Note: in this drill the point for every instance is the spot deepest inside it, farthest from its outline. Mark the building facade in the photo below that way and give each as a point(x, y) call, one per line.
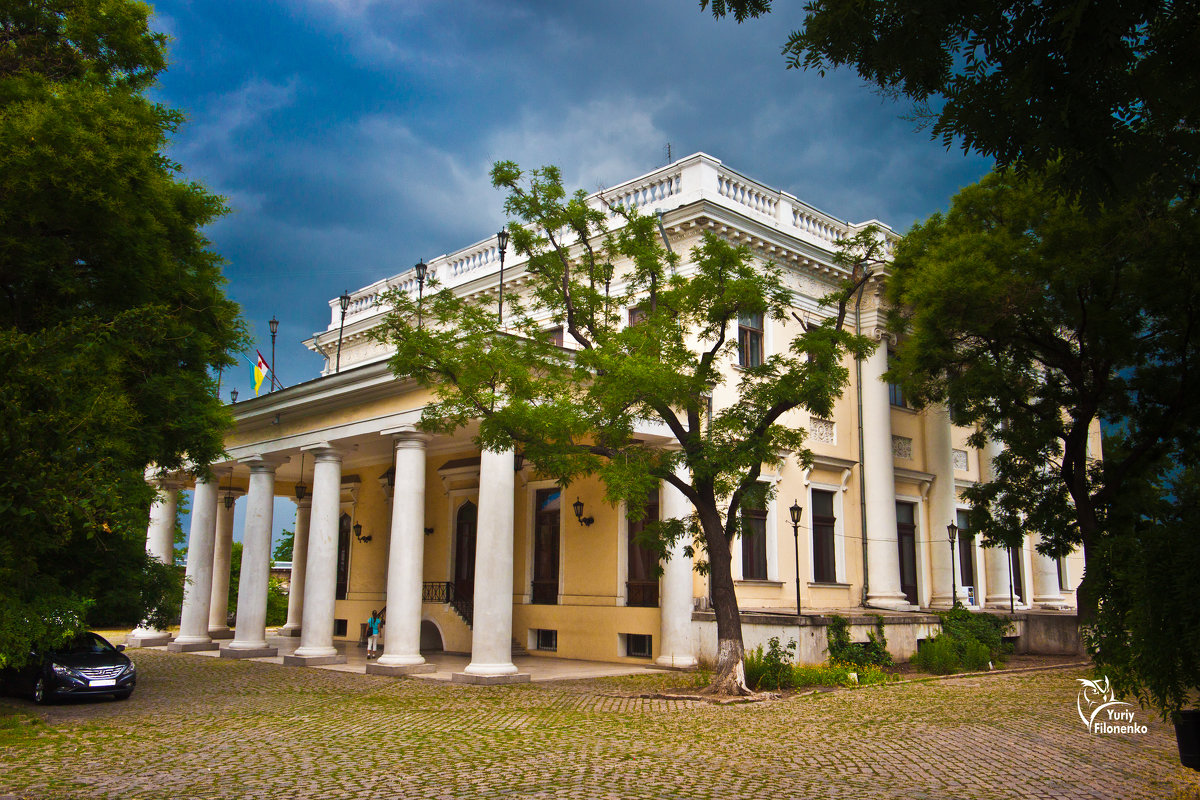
point(472, 551)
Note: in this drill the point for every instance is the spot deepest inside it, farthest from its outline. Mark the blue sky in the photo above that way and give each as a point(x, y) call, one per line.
point(352, 137)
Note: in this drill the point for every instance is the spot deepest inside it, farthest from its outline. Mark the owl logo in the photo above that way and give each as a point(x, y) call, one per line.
point(1093, 698)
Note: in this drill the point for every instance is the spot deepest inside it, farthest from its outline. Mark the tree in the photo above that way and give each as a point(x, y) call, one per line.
point(112, 315)
point(1036, 320)
point(1109, 89)
point(575, 412)
point(277, 599)
point(283, 548)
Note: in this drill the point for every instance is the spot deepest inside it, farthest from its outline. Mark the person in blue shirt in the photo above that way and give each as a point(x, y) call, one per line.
point(373, 625)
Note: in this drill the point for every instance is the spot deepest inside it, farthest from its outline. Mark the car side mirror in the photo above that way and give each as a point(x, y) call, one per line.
point(120, 648)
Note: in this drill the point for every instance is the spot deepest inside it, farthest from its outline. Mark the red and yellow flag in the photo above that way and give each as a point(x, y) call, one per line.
point(260, 371)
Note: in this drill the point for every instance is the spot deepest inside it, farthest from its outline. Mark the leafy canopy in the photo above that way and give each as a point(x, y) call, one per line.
point(112, 314)
point(1110, 88)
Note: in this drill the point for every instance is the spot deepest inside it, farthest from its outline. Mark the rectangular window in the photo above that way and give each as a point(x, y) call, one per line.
point(754, 541)
point(823, 525)
point(546, 515)
point(1061, 563)
point(636, 315)
point(642, 586)
point(966, 549)
point(750, 340)
point(545, 640)
point(555, 335)
point(906, 540)
point(342, 583)
point(639, 645)
point(895, 393)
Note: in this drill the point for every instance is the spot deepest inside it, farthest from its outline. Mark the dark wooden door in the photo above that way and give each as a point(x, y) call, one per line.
point(906, 539)
point(547, 513)
point(465, 528)
point(343, 557)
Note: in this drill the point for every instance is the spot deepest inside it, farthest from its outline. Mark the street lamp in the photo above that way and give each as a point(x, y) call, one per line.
point(952, 532)
point(344, 302)
point(578, 508)
point(502, 240)
point(274, 323)
point(233, 395)
point(795, 511)
point(421, 269)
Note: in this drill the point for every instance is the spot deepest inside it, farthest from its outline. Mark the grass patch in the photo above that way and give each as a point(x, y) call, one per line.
point(968, 642)
point(775, 669)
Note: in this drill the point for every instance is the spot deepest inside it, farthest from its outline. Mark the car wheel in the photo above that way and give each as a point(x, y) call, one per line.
point(41, 695)
point(123, 695)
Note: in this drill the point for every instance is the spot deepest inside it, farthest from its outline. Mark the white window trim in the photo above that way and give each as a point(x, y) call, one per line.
point(772, 540)
point(839, 532)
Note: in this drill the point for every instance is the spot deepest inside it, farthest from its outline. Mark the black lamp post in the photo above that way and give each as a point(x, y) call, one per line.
point(796, 511)
point(233, 395)
point(421, 269)
point(952, 532)
point(274, 323)
point(344, 302)
point(502, 240)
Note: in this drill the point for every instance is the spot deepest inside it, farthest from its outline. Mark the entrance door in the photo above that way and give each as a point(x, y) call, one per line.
point(906, 538)
point(1018, 580)
point(547, 510)
point(464, 551)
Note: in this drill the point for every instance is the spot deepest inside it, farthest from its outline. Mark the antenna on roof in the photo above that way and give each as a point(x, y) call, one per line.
point(668, 152)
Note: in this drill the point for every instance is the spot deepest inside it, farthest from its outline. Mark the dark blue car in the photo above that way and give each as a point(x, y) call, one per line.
point(87, 666)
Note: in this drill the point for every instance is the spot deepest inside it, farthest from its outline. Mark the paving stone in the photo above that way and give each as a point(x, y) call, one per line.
point(229, 728)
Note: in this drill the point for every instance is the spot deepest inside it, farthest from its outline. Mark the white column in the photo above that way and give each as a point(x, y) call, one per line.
point(299, 565)
point(491, 633)
point(995, 559)
point(160, 544)
point(676, 645)
point(320, 586)
point(406, 560)
point(218, 609)
point(879, 477)
point(942, 506)
point(1046, 593)
point(197, 590)
point(250, 636)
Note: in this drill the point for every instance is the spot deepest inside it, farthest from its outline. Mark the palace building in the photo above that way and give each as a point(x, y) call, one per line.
point(473, 552)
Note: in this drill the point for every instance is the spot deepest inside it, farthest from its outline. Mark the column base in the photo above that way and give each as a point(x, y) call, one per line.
point(191, 647)
point(147, 640)
point(375, 668)
point(249, 652)
point(676, 662)
point(890, 602)
point(490, 680)
point(1053, 604)
point(286, 631)
point(220, 633)
point(312, 661)
point(940, 601)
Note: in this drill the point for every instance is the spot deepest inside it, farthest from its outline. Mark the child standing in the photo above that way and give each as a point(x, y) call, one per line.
point(373, 625)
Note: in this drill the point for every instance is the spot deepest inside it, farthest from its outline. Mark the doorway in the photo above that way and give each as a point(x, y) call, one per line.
point(465, 532)
point(906, 539)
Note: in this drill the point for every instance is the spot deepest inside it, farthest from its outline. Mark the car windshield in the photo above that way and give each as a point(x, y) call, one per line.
point(86, 643)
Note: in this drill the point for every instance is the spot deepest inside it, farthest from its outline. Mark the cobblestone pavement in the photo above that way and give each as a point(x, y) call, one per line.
point(215, 728)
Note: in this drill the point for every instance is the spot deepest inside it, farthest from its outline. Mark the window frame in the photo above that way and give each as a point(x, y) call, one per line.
point(751, 340)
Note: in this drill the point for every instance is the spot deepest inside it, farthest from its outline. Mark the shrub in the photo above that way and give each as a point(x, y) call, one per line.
point(967, 642)
point(938, 655)
point(861, 654)
point(773, 669)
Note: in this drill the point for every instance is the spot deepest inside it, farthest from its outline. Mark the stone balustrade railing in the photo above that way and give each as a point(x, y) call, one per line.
point(697, 177)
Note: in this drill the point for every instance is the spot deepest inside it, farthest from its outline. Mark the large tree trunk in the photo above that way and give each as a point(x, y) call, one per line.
point(730, 676)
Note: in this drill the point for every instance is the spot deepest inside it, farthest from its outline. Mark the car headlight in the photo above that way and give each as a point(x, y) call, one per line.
point(65, 672)
point(129, 669)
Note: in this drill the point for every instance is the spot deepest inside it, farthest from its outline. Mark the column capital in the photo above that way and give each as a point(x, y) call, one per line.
point(264, 463)
point(324, 451)
point(881, 334)
point(406, 436)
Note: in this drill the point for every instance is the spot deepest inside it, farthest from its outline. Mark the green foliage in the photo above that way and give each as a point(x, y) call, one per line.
point(860, 654)
point(573, 412)
point(283, 547)
point(277, 599)
point(1110, 88)
point(111, 316)
point(1146, 638)
point(968, 641)
point(775, 669)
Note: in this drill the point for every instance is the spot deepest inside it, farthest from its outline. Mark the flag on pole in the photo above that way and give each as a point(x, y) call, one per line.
point(260, 371)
